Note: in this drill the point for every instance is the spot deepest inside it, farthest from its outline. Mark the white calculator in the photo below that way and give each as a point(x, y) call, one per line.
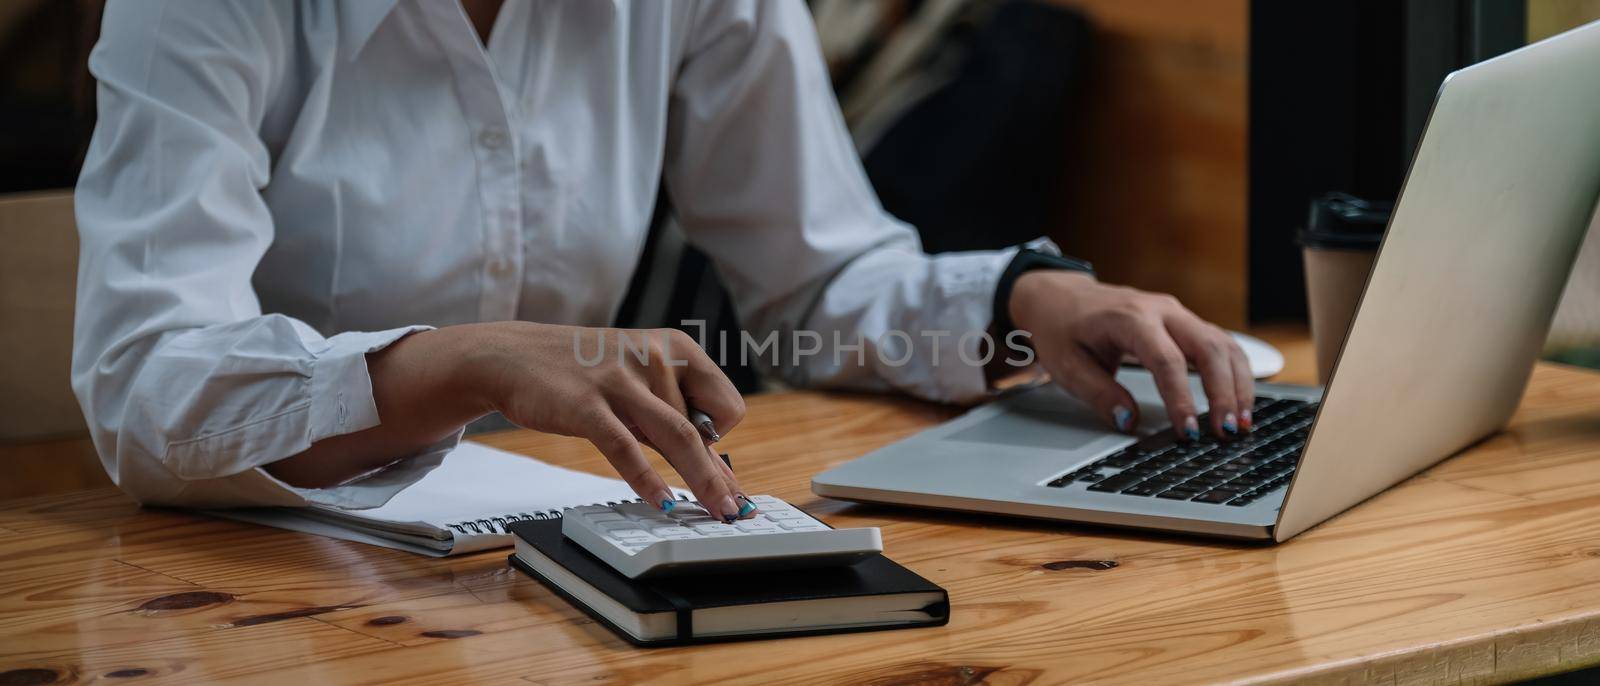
point(639, 540)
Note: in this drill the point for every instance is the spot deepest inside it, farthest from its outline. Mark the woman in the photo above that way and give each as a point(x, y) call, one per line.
point(319, 238)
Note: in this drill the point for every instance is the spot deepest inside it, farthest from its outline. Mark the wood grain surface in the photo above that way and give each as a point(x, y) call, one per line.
point(1483, 569)
point(1156, 188)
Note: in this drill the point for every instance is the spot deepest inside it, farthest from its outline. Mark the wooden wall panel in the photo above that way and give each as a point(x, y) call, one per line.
point(1547, 18)
point(38, 287)
point(1156, 191)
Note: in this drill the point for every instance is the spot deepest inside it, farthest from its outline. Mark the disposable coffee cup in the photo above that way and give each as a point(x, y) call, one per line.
point(1339, 243)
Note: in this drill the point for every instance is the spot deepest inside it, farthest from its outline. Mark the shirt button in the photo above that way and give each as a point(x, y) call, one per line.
point(492, 138)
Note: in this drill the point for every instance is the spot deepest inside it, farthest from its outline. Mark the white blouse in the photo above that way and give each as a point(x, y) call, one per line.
point(276, 189)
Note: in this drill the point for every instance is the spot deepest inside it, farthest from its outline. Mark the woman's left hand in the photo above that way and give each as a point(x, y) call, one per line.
point(1081, 329)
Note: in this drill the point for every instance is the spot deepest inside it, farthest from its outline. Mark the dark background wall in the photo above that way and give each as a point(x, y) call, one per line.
point(1339, 93)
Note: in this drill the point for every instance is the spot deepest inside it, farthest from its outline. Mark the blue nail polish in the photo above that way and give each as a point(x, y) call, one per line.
point(746, 508)
point(1230, 427)
point(1191, 429)
point(729, 519)
point(667, 505)
point(1123, 417)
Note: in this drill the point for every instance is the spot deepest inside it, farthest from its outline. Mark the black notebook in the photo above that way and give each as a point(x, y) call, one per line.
point(872, 594)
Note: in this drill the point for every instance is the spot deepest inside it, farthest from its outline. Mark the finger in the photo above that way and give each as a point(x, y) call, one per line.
point(1158, 353)
point(747, 507)
point(707, 389)
point(675, 397)
point(1208, 347)
point(727, 472)
point(665, 386)
point(680, 442)
point(1089, 381)
point(725, 468)
point(664, 382)
point(1244, 384)
point(688, 380)
point(620, 447)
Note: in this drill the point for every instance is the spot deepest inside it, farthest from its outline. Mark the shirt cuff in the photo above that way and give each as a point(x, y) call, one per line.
point(1044, 245)
point(341, 386)
point(338, 400)
point(968, 383)
point(967, 285)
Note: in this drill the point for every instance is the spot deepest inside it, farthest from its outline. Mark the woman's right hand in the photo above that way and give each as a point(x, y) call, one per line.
point(618, 388)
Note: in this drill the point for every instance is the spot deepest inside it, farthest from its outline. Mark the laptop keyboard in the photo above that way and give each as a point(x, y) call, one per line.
point(1234, 472)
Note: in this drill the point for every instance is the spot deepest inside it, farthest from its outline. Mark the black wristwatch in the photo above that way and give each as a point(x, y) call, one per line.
point(1027, 260)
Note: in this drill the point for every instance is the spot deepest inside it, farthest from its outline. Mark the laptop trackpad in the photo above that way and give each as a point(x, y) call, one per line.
point(1057, 428)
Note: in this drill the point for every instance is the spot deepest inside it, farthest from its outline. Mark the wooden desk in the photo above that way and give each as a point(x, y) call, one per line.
point(1483, 569)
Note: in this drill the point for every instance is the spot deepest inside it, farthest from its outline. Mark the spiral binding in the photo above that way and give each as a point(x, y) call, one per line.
point(501, 524)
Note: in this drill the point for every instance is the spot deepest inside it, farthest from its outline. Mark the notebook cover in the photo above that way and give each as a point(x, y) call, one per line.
point(874, 576)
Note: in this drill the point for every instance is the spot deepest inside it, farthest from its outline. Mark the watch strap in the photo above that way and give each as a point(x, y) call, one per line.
point(1027, 260)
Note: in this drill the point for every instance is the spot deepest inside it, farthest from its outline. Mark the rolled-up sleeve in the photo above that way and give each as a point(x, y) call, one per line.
point(188, 388)
point(764, 178)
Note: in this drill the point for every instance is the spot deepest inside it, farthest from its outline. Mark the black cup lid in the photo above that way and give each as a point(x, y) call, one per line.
point(1343, 221)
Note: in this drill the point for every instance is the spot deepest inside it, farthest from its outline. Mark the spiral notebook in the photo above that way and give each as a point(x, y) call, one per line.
point(464, 505)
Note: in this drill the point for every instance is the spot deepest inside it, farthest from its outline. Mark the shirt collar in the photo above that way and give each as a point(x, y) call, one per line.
point(357, 21)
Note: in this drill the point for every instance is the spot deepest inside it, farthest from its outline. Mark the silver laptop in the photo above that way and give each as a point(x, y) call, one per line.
point(1496, 204)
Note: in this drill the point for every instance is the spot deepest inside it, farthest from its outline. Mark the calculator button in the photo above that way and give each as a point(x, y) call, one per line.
point(786, 514)
point(638, 509)
point(713, 527)
point(695, 521)
point(765, 500)
point(617, 526)
point(756, 526)
point(605, 517)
